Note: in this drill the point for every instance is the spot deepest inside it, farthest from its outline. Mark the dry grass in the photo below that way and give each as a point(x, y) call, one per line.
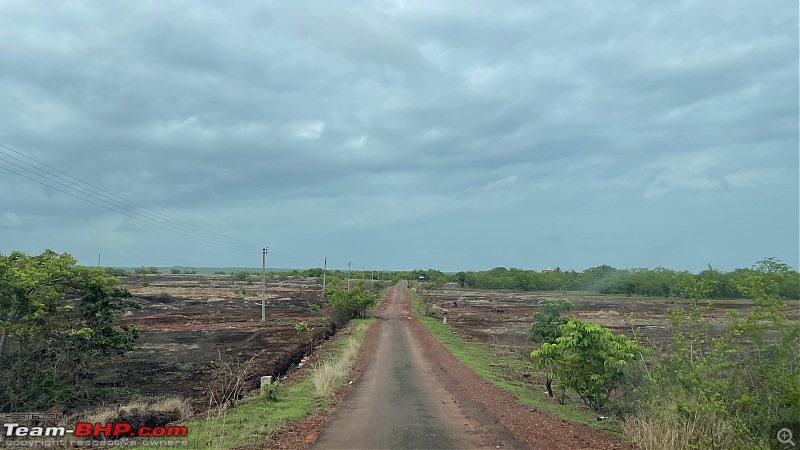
point(169, 404)
point(329, 375)
point(174, 404)
point(673, 432)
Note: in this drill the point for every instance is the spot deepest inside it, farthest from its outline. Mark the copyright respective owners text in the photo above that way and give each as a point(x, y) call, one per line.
point(91, 443)
point(785, 436)
point(38, 430)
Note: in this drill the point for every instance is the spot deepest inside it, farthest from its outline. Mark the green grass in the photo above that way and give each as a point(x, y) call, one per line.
point(252, 422)
point(504, 368)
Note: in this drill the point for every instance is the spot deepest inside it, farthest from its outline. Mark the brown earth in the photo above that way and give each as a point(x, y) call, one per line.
point(413, 393)
point(503, 317)
point(190, 324)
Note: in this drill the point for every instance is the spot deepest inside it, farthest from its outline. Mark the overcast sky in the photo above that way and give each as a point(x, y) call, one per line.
point(404, 134)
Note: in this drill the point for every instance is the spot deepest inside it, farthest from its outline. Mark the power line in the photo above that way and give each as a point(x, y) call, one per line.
point(167, 223)
point(148, 218)
point(123, 213)
point(152, 213)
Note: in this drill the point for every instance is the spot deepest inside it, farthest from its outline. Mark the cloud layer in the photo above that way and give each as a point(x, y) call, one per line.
point(402, 134)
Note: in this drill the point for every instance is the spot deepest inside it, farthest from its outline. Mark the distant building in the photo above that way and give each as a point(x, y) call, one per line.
point(548, 270)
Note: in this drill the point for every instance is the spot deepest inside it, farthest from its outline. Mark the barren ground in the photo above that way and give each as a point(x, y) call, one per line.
point(503, 317)
point(190, 323)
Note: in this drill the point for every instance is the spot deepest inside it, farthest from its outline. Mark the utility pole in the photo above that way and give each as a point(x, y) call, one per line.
point(348, 275)
point(324, 270)
point(264, 284)
point(98, 260)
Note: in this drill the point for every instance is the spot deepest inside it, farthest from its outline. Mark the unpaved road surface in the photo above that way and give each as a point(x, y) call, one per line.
point(401, 400)
point(414, 394)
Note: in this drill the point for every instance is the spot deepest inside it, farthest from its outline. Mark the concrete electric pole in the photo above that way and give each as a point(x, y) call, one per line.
point(264, 284)
point(348, 275)
point(324, 270)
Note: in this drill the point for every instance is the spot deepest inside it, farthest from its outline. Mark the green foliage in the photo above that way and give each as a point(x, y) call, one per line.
point(302, 328)
point(272, 391)
point(506, 369)
point(145, 270)
point(57, 324)
point(314, 272)
point(175, 271)
point(314, 308)
point(547, 320)
point(241, 276)
point(351, 303)
point(115, 271)
point(656, 282)
point(589, 359)
point(749, 378)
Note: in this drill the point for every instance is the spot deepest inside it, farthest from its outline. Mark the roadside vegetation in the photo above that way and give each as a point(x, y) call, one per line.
point(57, 328)
point(253, 421)
point(507, 368)
point(691, 392)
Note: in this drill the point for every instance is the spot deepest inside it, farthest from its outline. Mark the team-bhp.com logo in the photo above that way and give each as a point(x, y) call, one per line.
point(114, 430)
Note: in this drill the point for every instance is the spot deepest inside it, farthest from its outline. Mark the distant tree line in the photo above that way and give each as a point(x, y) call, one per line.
point(658, 282)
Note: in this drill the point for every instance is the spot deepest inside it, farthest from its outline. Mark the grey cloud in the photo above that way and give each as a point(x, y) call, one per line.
point(363, 127)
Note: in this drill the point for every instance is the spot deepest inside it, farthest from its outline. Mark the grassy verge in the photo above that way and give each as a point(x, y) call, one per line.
point(252, 422)
point(506, 369)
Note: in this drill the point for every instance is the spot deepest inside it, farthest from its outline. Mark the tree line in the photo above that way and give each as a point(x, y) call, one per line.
point(658, 282)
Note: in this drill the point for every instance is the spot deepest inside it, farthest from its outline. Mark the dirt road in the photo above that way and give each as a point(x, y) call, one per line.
point(404, 400)
point(414, 394)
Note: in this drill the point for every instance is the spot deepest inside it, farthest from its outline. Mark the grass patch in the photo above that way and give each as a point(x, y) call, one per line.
point(256, 419)
point(331, 374)
point(507, 370)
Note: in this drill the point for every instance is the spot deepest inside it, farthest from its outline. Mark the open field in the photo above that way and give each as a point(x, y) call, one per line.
point(190, 324)
point(503, 317)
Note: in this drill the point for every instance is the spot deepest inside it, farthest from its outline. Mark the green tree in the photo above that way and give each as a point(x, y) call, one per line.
point(589, 359)
point(772, 265)
point(547, 320)
point(351, 303)
point(57, 325)
point(304, 328)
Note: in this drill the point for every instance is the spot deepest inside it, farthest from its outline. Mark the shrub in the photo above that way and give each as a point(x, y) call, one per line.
point(272, 391)
point(743, 383)
point(547, 320)
point(241, 276)
point(589, 359)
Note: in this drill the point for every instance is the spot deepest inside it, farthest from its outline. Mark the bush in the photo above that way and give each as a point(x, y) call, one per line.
point(145, 270)
point(547, 320)
point(351, 303)
point(272, 391)
point(241, 276)
point(590, 360)
point(58, 325)
point(115, 271)
point(744, 382)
